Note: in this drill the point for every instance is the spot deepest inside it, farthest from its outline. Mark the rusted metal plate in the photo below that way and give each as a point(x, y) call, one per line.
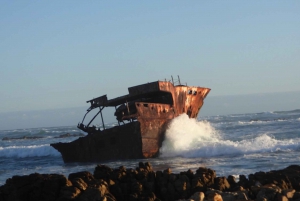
point(154, 111)
point(144, 89)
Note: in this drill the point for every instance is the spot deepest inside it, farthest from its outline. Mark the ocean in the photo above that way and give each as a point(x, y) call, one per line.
point(238, 144)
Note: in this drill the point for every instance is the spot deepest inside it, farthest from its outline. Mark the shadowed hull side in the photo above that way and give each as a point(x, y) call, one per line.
point(120, 142)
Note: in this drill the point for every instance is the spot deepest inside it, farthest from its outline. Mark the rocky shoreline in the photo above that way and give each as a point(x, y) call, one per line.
point(143, 183)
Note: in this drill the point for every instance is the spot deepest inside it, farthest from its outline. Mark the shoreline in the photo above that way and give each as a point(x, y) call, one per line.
point(142, 183)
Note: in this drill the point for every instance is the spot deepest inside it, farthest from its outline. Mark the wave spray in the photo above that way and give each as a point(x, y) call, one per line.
point(185, 135)
point(190, 138)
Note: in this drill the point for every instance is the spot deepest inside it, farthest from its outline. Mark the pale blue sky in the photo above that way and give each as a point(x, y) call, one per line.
point(58, 54)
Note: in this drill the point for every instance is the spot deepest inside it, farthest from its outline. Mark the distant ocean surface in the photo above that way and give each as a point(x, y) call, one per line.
point(230, 144)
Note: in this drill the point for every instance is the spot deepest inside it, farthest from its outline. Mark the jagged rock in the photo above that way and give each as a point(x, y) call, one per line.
point(33, 187)
point(232, 182)
point(243, 181)
point(143, 165)
point(198, 196)
point(289, 193)
point(203, 178)
point(221, 183)
point(296, 195)
point(79, 183)
point(182, 186)
point(91, 193)
point(228, 196)
point(242, 195)
point(268, 192)
point(281, 198)
point(293, 173)
point(102, 172)
point(214, 197)
point(285, 179)
point(86, 176)
point(68, 193)
point(206, 175)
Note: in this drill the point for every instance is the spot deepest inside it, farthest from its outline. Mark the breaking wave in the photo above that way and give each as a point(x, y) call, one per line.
point(297, 111)
point(189, 138)
point(28, 151)
point(262, 121)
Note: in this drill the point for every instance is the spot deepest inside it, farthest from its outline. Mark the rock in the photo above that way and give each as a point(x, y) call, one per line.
point(285, 179)
point(289, 193)
point(242, 195)
point(102, 172)
point(221, 183)
point(203, 178)
point(168, 171)
point(228, 196)
point(198, 196)
point(214, 197)
point(293, 173)
point(236, 188)
point(33, 187)
point(232, 182)
point(268, 192)
point(97, 192)
point(86, 176)
point(91, 193)
point(244, 182)
point(182, 186)
point(206, 175)
point(68, 193)
point(79, 183)
point(118, 191)
point(296, 195)
point(281, 198)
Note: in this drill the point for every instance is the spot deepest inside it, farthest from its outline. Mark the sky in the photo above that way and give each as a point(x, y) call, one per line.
point(59, 54)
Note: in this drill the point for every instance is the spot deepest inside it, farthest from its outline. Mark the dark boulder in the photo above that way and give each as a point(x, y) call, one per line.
point(34, 187)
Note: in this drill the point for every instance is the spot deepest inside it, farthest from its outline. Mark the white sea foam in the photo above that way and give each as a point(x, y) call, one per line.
point(185, 134)
point(261, 121)
point(28, 151)
point(191, 138)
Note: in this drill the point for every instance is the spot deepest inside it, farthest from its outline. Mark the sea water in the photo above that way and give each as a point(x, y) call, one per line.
point(230, 144)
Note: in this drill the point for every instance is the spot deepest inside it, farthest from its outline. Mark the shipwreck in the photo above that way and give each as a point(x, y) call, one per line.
point(142, 115)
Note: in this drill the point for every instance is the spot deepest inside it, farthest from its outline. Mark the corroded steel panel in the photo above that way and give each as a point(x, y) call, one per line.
point(152, 134)
point(150, 147)
point(143, 88)
point(154, 110)
point(189, 100)
point(153, 120)
point(166, 86)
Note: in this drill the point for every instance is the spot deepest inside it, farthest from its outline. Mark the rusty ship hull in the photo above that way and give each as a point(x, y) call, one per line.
point(143, 116)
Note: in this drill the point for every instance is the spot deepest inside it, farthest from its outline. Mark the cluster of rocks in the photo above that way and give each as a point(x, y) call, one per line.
point(143, 183)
